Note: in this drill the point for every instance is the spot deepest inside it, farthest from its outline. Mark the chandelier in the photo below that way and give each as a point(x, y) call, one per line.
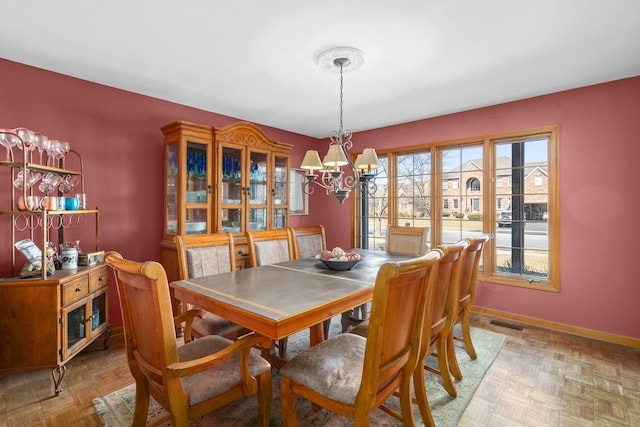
point(338, 173)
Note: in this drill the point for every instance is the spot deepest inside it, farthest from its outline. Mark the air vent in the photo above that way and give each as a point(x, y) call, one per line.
point(506, 325)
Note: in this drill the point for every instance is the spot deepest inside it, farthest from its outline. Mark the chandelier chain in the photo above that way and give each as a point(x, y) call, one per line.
point(341, 102)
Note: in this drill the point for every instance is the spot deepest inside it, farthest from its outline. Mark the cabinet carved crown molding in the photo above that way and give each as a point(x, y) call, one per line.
point(247, 133)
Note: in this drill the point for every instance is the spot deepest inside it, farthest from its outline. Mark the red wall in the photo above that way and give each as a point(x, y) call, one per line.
point(118, 134)
point(599, 199)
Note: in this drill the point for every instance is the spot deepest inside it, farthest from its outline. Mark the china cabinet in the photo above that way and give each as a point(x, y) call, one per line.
point(47, 317)
point(229, 179)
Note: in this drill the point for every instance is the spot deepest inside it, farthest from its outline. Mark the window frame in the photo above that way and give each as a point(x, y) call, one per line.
point(488, 200)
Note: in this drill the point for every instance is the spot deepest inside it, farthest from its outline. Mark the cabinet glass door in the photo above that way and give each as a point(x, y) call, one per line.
point(280, 192)
point(258, 179)
point(231, 189)
point(258, 190)
point(98, 311)
point(74, 325)
point(171, 188)
point(257, 218)
point(197, 188)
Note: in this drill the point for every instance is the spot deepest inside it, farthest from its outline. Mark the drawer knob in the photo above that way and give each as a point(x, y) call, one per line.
point(78, 290)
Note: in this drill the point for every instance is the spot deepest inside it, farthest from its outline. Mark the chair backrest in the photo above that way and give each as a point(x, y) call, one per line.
point(443, 310)
point(147, 318)
point(205, 254)
point(469, 270)
point(407, 240)
point(270, 246)
point(393, 339)
point(310, 240)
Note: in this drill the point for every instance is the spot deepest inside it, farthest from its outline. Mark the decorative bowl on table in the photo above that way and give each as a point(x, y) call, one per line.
point(339, 260)
point(339, 265)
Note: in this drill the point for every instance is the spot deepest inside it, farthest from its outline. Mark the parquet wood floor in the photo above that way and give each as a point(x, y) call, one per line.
point(540, 378)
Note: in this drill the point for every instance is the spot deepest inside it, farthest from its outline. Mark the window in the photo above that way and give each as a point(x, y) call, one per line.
point(465, 164)
point(298, 198)
point(474, 184)
point(413, 189)
point(503, 184)
point(524, 250)
point(375, 219)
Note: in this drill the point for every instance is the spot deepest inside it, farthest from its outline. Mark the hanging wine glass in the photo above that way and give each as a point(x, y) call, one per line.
point(68, 183)
point(49, 182)
point(26, 179)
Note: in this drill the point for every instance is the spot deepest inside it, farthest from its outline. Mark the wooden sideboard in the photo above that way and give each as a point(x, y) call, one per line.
point(45, 322)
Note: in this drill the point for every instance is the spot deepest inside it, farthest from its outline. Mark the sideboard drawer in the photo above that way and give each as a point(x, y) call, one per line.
point(98, 279)
point(74, 290)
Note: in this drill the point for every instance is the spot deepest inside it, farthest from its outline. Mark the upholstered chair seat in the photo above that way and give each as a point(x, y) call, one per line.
point(215, 382)
point(332, 368)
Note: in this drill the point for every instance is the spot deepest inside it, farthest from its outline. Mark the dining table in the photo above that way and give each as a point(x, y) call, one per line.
point(278, 300)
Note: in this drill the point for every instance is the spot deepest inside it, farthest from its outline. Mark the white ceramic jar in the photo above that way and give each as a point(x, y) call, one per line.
point(69, 258)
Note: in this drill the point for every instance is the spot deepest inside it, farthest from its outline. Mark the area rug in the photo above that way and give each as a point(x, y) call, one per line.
point(116, 409)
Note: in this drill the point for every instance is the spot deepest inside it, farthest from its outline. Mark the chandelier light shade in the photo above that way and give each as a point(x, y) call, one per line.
point(358, 174)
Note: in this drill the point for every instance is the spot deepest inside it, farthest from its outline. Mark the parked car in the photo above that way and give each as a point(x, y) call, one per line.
point(504, 220)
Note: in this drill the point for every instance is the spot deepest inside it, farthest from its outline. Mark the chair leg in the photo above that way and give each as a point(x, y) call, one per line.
point(326, 325)
point(421, 397)
point(466, 335)
point(282, 348)
point(265, 396)
point(346, 320)
point(443, 365)
point(406, 404)
point(142, 405)
point(288, 401)
point(453, 360)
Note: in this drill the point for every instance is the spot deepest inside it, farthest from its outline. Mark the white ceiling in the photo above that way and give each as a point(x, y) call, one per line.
point(256, 60)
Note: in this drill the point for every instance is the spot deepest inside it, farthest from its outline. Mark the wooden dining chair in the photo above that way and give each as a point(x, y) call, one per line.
point(400, 240)
point(189, 380)
point(353, 376)
point(407, 240)
point(436, 329)
point(466, 296)
point(271, 247)
point(202, 255)
point(309, 240)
